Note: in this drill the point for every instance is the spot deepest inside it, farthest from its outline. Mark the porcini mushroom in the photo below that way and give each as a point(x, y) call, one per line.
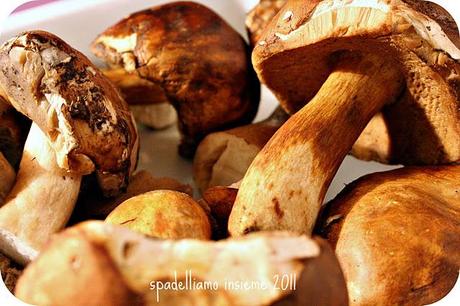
point(397, 235)
point(219, 200)
point(92, 205)
point(194, 58)
point(81, 125)
point(337, 63)
point(124, 267)
point(222, 158)
point(163, 214)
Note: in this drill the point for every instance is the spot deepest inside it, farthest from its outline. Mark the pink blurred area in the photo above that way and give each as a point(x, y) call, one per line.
point(32, 4)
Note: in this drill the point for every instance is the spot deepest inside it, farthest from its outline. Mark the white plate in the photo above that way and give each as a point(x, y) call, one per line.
point(79, 21)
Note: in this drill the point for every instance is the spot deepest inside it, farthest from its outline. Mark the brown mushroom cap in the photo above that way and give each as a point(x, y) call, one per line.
point(92, 205)
point(297, 54)
point(81, 112)
point(199, 62)
point(163, 214)
point(397, 235)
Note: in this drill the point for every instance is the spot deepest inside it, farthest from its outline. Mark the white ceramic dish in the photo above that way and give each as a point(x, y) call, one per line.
point(79, 21)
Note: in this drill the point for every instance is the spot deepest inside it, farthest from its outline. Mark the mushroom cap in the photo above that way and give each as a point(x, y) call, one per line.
point(397, 235)
point(163, 214)
point(83, 115)
point(201, 63)
point(298, 51)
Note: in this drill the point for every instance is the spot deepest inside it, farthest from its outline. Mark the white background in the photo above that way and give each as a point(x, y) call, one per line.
point(79, 21)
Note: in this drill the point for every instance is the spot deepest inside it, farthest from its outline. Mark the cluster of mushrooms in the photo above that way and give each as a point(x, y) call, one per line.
point(378, 79)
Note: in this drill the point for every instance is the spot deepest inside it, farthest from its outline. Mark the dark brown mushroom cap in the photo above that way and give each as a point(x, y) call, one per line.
point(202, 64)
point(300, 48)
point(82, 113)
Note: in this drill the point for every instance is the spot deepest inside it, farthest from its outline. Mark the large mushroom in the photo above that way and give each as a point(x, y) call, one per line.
point(81, 125)
point(126, 268)
point(335, 64)
point(187, 53)
point(397, 235)
point(388, 138)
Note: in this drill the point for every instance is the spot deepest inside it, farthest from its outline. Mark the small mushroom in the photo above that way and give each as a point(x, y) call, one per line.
point(222, 158)
point(335, 65)
point(219, 200)
point(92, 205)
point(194, 58)
point(163, 214)
point(260, 16)
point(397, 235)
point(81, 125)
point(124, 268)
point(147, 101)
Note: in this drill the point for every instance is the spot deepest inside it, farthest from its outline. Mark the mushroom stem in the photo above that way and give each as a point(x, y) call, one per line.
point(40, 202)
point(286, 184)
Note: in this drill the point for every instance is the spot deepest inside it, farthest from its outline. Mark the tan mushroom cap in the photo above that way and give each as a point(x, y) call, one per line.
point(163, 214)
point(397, 235)
point(297, 53)
point(192, 55)
point(81, 112)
